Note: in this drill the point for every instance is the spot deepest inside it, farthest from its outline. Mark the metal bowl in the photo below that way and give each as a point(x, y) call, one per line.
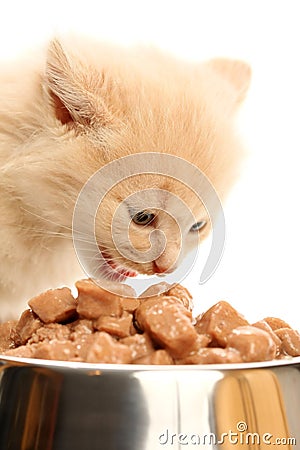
point(52, 405)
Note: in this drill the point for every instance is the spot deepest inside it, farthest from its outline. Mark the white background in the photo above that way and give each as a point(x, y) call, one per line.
point(259, 272)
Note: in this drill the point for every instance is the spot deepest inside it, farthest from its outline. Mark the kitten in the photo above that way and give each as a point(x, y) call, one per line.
point(76, 107)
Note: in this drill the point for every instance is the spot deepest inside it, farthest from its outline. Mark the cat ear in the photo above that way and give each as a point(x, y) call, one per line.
point(235, 72)
point(74, 89)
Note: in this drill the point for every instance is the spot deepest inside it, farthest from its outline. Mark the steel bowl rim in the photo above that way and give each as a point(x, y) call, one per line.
point(105, 367)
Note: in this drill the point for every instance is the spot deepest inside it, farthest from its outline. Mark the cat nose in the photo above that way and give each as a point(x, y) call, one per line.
point(160, 268)
point(166, 262)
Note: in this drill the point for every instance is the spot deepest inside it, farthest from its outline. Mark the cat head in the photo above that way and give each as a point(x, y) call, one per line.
point(106, 103)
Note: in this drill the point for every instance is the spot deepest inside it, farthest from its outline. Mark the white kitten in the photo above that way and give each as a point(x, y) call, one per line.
point(69, 112)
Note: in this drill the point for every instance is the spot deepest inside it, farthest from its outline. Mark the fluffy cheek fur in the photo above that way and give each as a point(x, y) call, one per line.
point(119, 238)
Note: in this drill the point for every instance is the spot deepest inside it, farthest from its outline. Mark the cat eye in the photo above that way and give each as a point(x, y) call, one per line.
point(143, 218)
point(198, 225)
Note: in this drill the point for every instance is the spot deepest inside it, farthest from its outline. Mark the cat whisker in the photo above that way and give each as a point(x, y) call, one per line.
point(44, 234)
point(51, 221)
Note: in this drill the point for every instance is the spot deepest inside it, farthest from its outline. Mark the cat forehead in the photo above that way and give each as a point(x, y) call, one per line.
point(149, 198)
point(155, 191)
point(166, 202)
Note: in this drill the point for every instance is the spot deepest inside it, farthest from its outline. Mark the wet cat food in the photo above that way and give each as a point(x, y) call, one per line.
point(98, 326)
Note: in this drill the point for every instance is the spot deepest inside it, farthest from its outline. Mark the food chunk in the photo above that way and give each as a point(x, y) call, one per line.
point(158, 357)
point(82, 344)
point(163, 302)
point(58, 350)
point(81, 327)
point(156, 289)
point(129, 304)
point(183, 295)
point(169, 325)
point(263, 325)
point(24, 351)
point(219, 321)
point(50, 332)
point(140, 345)
point(94, 301)
point(116, 326)
point(7, 331)
point(54, 305)
point(27, 325)
point(203, 340)
point(164, 289)
point(212, 356)
point(252, 343)
point(104, 349)
point(290, 341)
point(276, 323)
